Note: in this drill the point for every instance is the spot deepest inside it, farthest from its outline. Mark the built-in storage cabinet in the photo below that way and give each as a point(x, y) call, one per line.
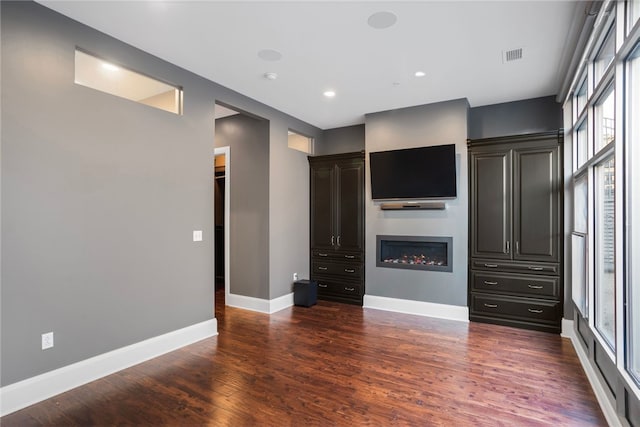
point(337, 226)
point(515, 237)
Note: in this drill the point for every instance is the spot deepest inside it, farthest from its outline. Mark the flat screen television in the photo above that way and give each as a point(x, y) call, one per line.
point(414, 173)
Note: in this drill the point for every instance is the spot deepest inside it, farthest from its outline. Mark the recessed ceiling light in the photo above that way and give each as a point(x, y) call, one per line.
point(270, 55)
point(270, 76)
point(329, 93)
point(110, 67)
point(420, 74)
point(382, 20)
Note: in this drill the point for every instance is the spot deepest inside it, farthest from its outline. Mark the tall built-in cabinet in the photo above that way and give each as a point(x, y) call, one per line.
point(337, 226)
point(515, 246)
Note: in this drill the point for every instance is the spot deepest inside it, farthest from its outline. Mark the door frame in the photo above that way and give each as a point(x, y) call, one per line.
point(227, 220)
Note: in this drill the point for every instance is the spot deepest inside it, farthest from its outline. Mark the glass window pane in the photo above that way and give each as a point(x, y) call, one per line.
point(605, 250)
point(300, 142)
point(581, 97)
point(580, 205)
point(93, 72)
point(605, 55)
point(579, 272)
point(634, 12)
point(581, 145)
point(633, 219)
point(605, 121)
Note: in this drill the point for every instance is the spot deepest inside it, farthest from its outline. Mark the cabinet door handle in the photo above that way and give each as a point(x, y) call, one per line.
point(517, 247)
point(508, 246)
point(322, 268)
point(349, 270)
point(349, 289)
point(338, 240)
point(319, 254)
point(491, 305)
point(531, 310)
point(535, 286)
point(491, 265)
point(350, 256)
point(320, 285)
point(536, 268)
point(486, 282)
point(333, 238)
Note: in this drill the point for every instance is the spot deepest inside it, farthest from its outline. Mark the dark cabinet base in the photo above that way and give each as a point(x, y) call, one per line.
point(522, 324)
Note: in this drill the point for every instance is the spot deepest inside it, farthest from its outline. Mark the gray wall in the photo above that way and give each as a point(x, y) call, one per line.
point(348, 139)
point(426, 125)
point(248, 183)
point(514, 118)
point(100, 196)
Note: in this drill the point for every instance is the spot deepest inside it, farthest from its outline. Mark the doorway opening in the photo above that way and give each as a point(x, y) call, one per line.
point(222, 191)
point(221, 224)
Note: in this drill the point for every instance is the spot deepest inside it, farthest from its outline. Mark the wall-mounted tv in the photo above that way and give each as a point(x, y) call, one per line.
point(414, 173)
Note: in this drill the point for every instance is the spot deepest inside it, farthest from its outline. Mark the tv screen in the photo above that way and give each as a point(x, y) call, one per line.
point(414, 173)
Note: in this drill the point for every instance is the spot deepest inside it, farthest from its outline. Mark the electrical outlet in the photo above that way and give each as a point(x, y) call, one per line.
point(295, 276)
point(47, 340)
point(197, 235)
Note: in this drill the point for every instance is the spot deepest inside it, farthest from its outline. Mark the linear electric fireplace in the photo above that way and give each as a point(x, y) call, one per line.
point(415, 252)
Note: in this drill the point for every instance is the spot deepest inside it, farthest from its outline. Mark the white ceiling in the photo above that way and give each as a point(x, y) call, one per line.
point(329, 45)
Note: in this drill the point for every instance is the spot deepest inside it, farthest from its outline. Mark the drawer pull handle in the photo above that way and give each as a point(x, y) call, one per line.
point(486, 282)
point(349, 270)
point(350, 256)
point(491, 305)
point(536, 268)
point(531, 310)
point(535, 286)
point(349, 289)
point(322, 268)
point(320, 285)
point(319, 254)
point(491, 265)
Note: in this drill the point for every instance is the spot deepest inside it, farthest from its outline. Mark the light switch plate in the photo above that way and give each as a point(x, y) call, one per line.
point(47, 340)
point(197, 235)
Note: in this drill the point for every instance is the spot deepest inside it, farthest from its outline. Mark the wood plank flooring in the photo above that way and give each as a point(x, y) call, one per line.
point(334, 365)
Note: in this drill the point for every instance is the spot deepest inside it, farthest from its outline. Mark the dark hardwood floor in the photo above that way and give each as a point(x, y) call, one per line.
point(335, 364)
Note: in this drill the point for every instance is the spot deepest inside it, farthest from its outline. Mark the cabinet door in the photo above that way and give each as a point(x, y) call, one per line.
point(536, 204)
point(322, 206)
point(350, 206)
point(491, 205)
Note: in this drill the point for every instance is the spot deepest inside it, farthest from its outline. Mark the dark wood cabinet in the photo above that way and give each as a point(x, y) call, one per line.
point(515, 231)
point(337, 226)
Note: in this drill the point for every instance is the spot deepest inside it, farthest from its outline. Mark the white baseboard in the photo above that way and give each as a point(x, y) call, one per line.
point(258, 304)
point(420, 308)
point(597, 385)
point(35, 389)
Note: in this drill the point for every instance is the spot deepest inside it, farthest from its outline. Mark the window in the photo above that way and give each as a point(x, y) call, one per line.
point(579, 244)
point(581, 145)
point(604, 121)
point(300, 142)
point(633, 212)
point(580, 201)
point(633, 12)
point(605, 55)
point(605, 250)
point(93, 72)
point(581, 97)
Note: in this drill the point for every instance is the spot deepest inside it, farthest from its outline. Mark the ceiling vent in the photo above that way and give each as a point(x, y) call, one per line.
point(511, 55)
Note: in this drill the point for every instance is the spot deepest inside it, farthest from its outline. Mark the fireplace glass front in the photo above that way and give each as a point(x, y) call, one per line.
point(415, 252)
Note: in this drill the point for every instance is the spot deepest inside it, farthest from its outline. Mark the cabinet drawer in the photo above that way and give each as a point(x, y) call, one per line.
point(345, 270)
point(527, 309)
point(531, 285)
point(331, 287)
point(334, 255)
point(516, 267)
